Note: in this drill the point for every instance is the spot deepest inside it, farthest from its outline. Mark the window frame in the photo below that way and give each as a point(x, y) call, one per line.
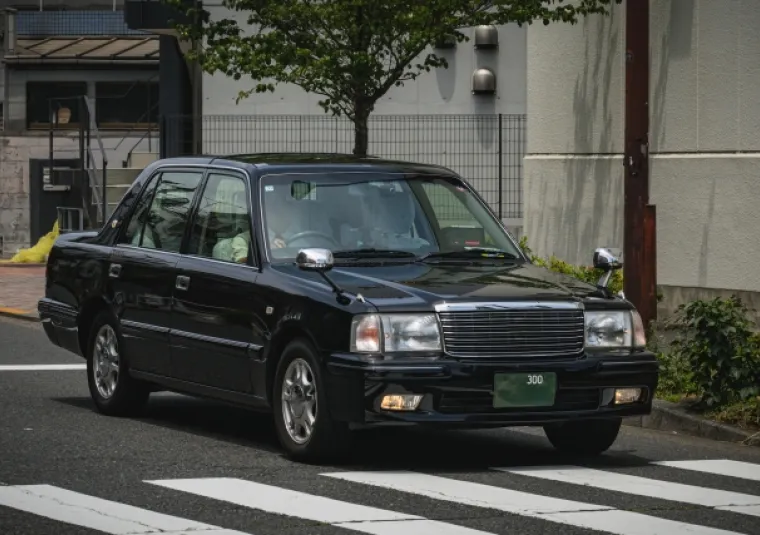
point(71, 125)
point(146, 123)
point(158, 175)
point(151, 182)
point(252, 246)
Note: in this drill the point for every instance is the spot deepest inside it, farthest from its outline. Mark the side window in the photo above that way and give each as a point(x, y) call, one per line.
point(167, 218)
point(459, 226)
point(222, 226)
point(134, 232)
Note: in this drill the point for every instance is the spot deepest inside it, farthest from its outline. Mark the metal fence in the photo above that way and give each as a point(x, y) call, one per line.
point(487, 150)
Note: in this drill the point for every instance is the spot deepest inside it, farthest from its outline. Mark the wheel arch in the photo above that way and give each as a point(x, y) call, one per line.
point(90, 309)
point(285, 335)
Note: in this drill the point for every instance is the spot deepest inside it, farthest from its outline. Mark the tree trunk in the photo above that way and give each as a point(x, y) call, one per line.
point(361, 133)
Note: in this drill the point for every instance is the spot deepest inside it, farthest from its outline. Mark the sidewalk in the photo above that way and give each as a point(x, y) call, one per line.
point(21, 286)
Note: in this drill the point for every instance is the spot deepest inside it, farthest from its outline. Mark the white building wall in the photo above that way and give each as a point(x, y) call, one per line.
point(408, 122)
point(445, 91)
point(704, 141)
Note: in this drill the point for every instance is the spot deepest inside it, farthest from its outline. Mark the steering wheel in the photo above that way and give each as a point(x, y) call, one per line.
point(306, 233)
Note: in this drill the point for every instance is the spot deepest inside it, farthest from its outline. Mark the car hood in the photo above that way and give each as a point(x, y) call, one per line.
point(414, 284)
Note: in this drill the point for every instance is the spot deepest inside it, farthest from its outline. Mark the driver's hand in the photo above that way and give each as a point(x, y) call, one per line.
point(278, 243)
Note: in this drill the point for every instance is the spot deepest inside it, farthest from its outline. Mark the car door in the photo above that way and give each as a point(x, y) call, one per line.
point(215, 327)
point(143, 265)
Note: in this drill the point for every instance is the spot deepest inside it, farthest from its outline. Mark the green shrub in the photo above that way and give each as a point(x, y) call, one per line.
point(716, 340)
point(587, 274)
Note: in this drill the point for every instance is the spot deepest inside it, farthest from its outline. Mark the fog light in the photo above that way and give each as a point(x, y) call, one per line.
point(400, 402)
point(627, 395)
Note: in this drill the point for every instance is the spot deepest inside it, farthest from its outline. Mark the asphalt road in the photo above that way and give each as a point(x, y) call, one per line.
point(190, 466)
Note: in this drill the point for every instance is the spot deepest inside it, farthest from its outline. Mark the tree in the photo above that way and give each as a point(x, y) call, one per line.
point(351, 52)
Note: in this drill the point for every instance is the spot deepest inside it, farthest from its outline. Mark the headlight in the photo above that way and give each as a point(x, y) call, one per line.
point(393, 333)
point(614, 328)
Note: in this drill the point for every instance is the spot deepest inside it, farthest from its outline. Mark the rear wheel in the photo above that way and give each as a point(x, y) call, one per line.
point(112, 389)
point(303, 422)
point(584, 437)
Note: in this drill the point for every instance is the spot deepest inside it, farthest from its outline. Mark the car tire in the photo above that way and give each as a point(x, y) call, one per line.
point(113, 390)
point(328, 439)
point(584, 437)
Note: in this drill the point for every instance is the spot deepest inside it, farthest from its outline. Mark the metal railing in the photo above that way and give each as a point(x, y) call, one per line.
point(99, 199)
point(487, 150)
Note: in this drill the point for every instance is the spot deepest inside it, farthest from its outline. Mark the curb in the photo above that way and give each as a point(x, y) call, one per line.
point(670, 417)
point(19, 314)
point(5, 263)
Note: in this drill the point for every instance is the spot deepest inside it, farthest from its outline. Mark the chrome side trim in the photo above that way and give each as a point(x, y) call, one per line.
point(144, 326)
point(487, 306)
point(217, 341)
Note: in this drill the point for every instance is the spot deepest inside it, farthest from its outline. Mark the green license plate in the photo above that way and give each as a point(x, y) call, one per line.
point(535, 389)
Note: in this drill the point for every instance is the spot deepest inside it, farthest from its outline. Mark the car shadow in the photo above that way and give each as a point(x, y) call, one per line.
point(204, 418)
point(449, 451)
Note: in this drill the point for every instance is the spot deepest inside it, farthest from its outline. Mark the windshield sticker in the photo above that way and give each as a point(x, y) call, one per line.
point(268, 188)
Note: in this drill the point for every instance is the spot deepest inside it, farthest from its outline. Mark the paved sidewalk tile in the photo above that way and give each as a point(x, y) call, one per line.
point(20, 289)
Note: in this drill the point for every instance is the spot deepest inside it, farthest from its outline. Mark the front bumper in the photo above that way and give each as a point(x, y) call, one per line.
point(459, 393)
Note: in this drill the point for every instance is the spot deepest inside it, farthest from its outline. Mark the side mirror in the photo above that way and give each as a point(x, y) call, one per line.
point(608, 260)
point(319, 260)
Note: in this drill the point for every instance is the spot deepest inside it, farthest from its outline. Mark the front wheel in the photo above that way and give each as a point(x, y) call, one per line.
point(303, 422)
point(584, 437)
point(112, 389)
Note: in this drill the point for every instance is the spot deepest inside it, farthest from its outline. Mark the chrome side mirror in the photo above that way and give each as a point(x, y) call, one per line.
point(319, 260)
point(608, 260)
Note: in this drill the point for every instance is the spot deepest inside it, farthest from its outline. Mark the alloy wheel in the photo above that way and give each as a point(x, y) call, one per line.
point(105, 361)
point(299, 401)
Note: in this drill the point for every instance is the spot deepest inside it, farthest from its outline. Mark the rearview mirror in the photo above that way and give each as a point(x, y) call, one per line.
point(315, 259)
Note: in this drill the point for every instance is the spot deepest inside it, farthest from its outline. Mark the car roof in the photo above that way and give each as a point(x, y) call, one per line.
point(297, 161)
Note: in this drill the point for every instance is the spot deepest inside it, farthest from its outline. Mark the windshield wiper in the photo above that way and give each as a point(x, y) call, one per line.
point(472, 252)
point(371, 252)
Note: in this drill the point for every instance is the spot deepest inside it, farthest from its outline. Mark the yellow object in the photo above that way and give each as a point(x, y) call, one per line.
point(39, 253)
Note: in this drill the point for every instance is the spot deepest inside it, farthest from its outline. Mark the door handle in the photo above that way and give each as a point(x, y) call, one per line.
point(114, 270)
point(183, 282)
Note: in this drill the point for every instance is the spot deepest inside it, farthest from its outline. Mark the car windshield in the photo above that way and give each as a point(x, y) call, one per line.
point(356, 214)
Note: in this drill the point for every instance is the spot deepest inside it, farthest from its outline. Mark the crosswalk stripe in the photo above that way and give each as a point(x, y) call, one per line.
point(41, 367)
point(579, 514)
point(296, 504)
point(722, 467)
point(641, 486)
point(95, 513)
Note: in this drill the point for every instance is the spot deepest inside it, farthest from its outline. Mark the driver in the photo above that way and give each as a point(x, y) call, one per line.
point(391, 213)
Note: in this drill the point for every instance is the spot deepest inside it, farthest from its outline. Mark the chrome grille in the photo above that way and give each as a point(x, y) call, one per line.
point(514, 332)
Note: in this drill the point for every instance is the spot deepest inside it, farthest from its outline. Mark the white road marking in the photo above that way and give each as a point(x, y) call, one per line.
point(722, 467)
point(584, 515)
point(296, 504)
point(98, 514)
point(41, 367)
point(641, 486)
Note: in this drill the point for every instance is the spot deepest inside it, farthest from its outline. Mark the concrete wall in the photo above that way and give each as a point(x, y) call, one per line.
point(704, 141)
point(15, 153)
point(446, 91)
